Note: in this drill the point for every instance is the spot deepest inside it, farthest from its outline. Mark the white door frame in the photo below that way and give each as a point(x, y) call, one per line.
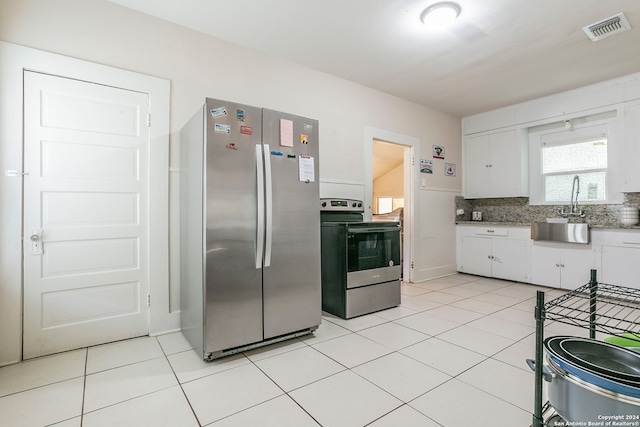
point(370, 134)
point(14, 60)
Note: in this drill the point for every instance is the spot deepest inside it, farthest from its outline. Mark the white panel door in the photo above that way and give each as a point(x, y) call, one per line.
point(85, 214)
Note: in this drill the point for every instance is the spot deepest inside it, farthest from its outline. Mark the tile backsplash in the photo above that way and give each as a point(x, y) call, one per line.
point(518, 210)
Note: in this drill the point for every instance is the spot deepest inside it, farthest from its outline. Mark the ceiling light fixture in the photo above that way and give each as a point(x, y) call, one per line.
point(440, 15)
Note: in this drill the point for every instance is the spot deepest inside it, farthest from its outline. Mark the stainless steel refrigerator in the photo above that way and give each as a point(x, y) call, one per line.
point(250, 228)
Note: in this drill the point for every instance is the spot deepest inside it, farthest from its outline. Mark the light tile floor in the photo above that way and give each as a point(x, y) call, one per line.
point(453, 354)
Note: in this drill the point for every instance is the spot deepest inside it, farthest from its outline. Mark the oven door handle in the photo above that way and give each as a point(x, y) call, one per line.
point(373, 230)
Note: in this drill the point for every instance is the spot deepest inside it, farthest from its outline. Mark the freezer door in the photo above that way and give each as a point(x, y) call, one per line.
point(233, 290)
point(291, 289)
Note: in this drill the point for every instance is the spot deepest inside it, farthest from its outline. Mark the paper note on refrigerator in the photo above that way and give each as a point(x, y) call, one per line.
point(306, 168)
point(286, 133)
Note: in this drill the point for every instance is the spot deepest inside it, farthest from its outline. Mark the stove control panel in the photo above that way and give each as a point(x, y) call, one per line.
point(341, 205)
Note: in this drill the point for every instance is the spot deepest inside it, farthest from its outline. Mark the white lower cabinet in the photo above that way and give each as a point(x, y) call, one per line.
point(509, 253)
point(560, 265)
point(620, 266)
point(476, 256)
point(494, 252)
point(510, 259)
point(618, 259)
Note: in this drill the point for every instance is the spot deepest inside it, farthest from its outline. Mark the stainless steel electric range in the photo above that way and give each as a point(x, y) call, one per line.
point(360, 261)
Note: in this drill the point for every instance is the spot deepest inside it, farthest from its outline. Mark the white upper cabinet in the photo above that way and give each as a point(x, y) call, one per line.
point(571, 102)
point(631, 148)
point(495, 142)
point(631, 89)
point(488, 121)
point(495, 165)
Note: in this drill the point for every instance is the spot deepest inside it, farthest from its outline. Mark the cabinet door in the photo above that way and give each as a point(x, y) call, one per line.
point(631, 148)
point(620, 266)
point(545, 265)
point(476, 256)
point(576, 263)
point(509, 259)
point(505, 165)
point(477, 166)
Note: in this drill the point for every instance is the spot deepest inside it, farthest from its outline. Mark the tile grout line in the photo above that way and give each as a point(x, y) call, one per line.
point(286, 393)
point(392, 350)
point(84, 384)
point(166, 356)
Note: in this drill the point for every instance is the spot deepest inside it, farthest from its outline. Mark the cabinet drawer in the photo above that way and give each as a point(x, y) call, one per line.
point(616, 237)
point(492, 231)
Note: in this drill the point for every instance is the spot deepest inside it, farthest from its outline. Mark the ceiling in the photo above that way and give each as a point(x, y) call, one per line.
point(498, 52)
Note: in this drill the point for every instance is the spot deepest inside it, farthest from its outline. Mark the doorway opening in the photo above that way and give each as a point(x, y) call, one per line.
point(388, 178)
point(388, 186)
point(389, 183)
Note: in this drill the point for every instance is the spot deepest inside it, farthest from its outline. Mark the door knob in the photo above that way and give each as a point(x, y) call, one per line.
point(36, 241)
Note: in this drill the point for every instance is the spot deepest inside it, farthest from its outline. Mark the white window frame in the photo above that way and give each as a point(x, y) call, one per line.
point(396, 202)
point(580, 130)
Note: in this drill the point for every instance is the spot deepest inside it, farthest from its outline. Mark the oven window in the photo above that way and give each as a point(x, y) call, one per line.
point(373, 250)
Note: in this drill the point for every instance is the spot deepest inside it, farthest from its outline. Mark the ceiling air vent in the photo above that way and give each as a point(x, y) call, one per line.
point(607, 27)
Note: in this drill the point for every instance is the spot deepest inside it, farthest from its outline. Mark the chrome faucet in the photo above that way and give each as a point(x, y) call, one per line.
point(573, 204)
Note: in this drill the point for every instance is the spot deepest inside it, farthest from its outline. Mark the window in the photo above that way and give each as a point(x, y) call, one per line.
point(585, 147)
point(389, 204)
point(562, 161)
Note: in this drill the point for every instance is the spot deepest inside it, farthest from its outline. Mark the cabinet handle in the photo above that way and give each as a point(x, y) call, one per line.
point(631, 243)
point(557, 265)
point(490, 231)
point(562, 265)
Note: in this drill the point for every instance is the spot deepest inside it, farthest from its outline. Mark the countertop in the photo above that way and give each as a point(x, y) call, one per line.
point(528, 224)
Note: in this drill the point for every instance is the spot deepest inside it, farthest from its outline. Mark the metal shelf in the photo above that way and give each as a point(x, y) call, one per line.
point(599, 307)
point(612, 310)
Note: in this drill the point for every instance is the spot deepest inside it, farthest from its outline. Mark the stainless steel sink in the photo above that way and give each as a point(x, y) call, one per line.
point(561, 233)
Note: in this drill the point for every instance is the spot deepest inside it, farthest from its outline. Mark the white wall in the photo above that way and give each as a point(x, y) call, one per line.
point(391, 184)
point(198, 66)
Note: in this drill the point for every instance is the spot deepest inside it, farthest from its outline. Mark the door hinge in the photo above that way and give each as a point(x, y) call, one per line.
point(149, 120)
point(148, 300)
point(411, 264)
point(412, 162)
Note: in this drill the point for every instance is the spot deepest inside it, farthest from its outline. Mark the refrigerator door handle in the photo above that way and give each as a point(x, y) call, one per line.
point(260, 197)
point(268, 205)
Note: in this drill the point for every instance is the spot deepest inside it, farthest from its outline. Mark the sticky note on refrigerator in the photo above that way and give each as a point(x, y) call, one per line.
point(286, 133)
